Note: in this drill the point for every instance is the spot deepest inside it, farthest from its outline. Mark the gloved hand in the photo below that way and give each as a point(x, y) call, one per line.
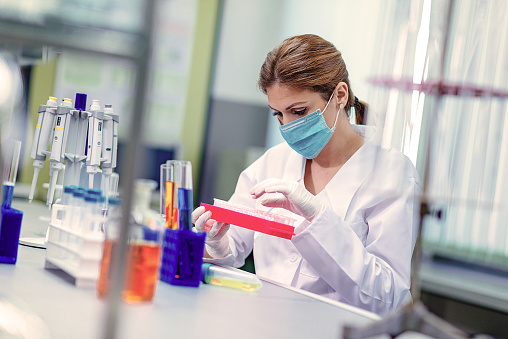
point(288, 195)
point(216, 241)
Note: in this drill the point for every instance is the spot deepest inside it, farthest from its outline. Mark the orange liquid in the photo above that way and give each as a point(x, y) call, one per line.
point(171, 206)
point(142, 271)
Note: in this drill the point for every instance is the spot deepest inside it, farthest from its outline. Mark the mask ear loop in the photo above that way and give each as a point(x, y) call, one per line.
point(331, 96)
point(341, 107)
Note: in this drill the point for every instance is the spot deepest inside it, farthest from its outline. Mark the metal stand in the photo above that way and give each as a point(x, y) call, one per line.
point(412, 317)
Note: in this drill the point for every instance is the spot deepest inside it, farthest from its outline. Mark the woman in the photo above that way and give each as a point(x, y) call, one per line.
point(353, 202)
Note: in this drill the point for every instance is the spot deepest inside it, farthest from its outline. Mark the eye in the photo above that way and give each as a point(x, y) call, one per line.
point(276, 114)
point(300, 112)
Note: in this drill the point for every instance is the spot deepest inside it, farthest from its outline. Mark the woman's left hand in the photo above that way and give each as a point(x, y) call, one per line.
point(288, 195)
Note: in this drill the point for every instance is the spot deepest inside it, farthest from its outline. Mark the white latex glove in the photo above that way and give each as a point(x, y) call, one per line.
point(216, 241)
point(288, 195)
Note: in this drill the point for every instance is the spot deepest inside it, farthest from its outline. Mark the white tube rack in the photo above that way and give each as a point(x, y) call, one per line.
point(72, 251)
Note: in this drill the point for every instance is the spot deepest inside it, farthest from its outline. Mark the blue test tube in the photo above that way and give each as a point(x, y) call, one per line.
point(185, 199)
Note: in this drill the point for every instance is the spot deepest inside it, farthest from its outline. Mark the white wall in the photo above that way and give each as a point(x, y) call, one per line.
point(250, 29)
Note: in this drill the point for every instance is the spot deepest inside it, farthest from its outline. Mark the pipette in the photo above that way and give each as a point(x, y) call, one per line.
point(41, 139)
point(76, 142)
point(109, 145)
point(58, 145)
point(93, 157)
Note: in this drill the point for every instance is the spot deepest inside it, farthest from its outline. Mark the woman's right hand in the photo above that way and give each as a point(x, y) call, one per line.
point(217, 241)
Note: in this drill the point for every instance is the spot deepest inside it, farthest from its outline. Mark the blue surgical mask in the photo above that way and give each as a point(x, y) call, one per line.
point(308, 135)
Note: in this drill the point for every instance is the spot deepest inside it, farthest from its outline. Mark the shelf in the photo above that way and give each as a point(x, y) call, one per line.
point(439, 87)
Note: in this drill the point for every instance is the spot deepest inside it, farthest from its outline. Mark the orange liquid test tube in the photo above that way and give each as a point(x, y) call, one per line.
point(171, 205)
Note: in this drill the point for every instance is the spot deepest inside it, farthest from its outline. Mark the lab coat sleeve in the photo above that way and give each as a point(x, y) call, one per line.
point(241, 240)
point(373, 274)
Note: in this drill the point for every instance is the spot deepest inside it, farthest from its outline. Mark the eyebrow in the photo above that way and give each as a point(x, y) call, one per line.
point(290, 106)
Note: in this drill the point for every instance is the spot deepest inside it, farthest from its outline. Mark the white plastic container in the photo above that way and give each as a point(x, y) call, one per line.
point(76, 253)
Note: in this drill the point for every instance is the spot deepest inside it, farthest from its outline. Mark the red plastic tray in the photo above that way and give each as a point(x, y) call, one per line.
point(250, 222)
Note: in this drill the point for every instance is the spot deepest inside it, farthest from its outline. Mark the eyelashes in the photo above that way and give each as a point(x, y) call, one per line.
point(300, 112)
point(296, 112)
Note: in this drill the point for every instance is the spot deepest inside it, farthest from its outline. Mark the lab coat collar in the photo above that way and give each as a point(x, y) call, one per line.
point(349, 178)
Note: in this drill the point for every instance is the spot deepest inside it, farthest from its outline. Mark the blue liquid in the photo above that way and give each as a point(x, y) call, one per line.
point(184, 208)
point(10, 228)
point(7, 194)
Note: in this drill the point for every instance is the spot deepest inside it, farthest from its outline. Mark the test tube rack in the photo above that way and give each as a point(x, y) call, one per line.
point(182, 257)
point(76, 253)
point(252, 219)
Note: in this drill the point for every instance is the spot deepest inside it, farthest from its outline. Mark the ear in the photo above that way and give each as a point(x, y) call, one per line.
point(341, 93)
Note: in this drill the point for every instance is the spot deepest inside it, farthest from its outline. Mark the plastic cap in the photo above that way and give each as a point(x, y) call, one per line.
point(95, 105)
point(90, 198)
point(51, 102)
point(108, 109)
point(78, 193)
point(80, 102)
point(69, 189)
point(100, 198)
point(95, 191)
point(204, 271)
point(115, 201)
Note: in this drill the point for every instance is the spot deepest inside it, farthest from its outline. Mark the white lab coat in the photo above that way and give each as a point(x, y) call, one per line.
point(359, 249)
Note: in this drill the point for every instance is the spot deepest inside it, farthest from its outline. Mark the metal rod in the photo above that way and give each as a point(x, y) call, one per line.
point(130, 167)
point(424, 207)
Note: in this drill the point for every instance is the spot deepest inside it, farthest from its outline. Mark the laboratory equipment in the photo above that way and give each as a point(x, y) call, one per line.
point(10, 222)
point(109, 146)
point(183, 249)
point(185, 201)
point(182, 257)
point(228, 277)
point(169, 194)
point(76, 142)
point(94, 148)
point(144, 246)
point(57, 155)
point(71, 249)
point(42, 135)
point(252, 219)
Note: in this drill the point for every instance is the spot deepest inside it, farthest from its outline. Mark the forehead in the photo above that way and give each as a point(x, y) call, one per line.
point(283, 95)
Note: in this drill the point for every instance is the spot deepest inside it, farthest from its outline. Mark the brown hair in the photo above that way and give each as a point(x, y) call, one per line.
point(309, 62)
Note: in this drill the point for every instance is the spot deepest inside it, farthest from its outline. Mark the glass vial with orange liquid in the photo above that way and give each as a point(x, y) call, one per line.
point(144, 246)
point(169, 185)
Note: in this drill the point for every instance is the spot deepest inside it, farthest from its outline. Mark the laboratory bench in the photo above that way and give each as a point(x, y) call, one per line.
point(208, 311)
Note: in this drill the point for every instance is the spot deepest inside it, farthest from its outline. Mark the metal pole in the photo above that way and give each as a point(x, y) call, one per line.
point(130, 167)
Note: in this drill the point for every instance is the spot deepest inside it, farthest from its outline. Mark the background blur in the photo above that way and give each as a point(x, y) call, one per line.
point(203, 103)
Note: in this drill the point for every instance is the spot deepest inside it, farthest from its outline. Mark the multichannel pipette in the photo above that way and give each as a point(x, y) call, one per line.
point(41, 139)
point(93, 157)
point(109, 145)
point(76, 143)
point(60, 135)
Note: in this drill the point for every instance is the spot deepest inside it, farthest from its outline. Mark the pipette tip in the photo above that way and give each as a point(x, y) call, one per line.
point(30, 201)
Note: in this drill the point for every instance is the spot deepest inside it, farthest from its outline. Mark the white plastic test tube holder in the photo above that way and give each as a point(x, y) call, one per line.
point(42, 135)
point(60, 135)
point(109, 145)
point(94, 148)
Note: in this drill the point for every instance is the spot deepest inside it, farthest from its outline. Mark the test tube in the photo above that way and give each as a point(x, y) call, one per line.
point(185, 200)
point(169, 193)
point(10, 171)
point(221, 276)
point(77, 203)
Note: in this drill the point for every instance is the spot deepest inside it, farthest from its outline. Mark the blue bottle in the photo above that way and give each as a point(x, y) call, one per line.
point(10, 227)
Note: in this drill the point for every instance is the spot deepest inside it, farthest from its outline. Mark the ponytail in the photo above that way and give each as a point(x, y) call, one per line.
point(361, 109)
